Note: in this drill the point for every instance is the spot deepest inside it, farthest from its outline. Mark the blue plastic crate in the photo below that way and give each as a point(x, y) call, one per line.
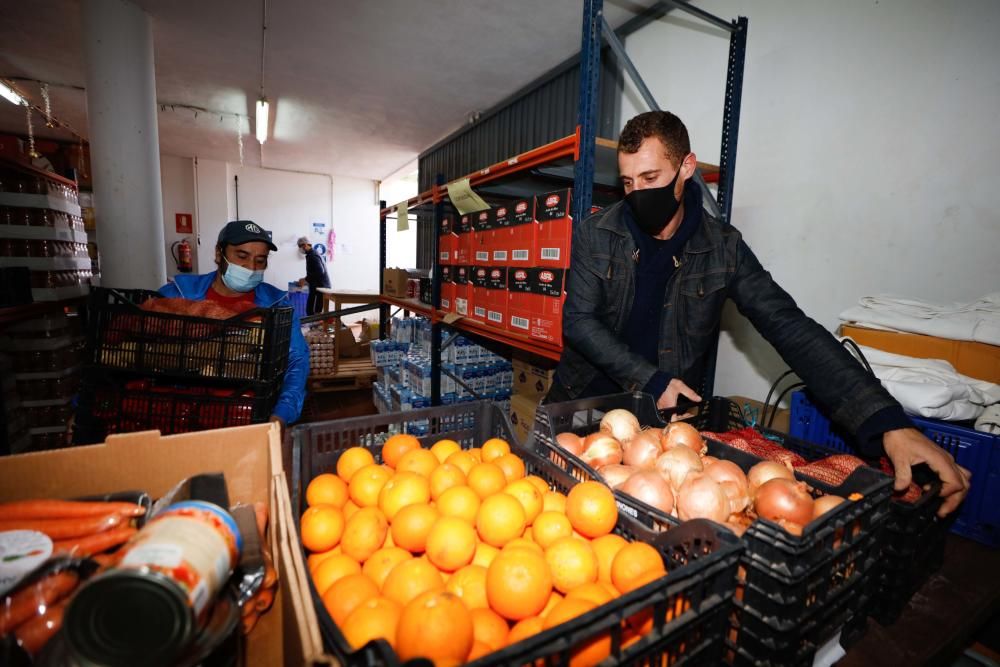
point(979, 518)
point(298, 299)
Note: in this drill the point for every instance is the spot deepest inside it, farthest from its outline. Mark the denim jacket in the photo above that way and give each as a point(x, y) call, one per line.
point(716, 265)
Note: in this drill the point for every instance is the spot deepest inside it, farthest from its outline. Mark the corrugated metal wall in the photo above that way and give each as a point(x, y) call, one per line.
point(543, 113)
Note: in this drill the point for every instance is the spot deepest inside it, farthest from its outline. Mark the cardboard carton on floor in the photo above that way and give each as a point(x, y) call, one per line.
point(250, 459)
point(394, 282)
point(522, 416)
point(530, 380)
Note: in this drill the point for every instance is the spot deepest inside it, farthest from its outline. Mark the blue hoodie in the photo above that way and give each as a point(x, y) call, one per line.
point(293, 389)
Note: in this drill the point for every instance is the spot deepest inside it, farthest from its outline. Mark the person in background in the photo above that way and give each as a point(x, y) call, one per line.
point(647, 282)
point(241, 254)
point(316, 276)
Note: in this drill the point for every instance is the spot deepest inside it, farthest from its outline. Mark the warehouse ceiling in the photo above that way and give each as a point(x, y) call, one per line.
point(357, 87)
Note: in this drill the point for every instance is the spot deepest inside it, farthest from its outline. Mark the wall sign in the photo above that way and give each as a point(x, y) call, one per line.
point(185, 223)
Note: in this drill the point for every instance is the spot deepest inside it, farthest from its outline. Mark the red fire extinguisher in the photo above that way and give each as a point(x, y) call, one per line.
point(182, 256)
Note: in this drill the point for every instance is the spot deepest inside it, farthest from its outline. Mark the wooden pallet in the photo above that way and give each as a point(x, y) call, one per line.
point(351, 374)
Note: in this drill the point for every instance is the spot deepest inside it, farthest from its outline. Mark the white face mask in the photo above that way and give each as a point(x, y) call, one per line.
point(240, 279)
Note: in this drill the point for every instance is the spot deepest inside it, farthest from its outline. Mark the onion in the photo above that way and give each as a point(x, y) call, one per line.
point(701, 497)
point(764, 472)
point(571, 442)
point(824, 504)
point(649, 487)
point(620, 424)
point(737, 528)
point(708, 460)
point(783, 499)
point(600, 449)
point(737, 495)
point(675, 464)
point(682, 433)
point(641, 451)
point(615, 474)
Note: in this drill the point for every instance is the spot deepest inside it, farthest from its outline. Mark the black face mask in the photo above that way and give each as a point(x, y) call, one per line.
point(653, 208)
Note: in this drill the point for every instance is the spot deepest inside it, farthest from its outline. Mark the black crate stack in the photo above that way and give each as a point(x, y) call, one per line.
point(177, 373)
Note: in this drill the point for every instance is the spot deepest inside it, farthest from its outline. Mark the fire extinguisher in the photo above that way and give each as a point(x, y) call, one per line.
point(182, 256)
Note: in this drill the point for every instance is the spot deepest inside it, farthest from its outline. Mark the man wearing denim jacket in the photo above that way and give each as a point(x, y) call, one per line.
point(648, 279)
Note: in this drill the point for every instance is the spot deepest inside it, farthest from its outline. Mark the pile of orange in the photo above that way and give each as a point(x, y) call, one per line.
point(451, 554)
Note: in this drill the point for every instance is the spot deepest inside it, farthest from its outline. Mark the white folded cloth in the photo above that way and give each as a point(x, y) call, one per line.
point(976, 320)
point(932, 387)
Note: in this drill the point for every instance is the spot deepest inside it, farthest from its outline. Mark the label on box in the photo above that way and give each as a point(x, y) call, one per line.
point(484, 220)
point(465, 224)
point(479, 311)
point(483, 255)
point(524, 212)
point(495, 316)
point(547, 282)
point(446, 274)
point(549, 254)
point(462, 276)
point(518, 280)
point(520, 322)
point(502, 216)
point(520, 255)
point(444, 255)
point(499, 255)
point(480, 276)
point(447, 225)
point(497, 278)
point(461, 306)
point(552, 205)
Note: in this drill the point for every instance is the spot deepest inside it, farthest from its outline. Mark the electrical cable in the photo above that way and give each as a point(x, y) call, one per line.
point(849, 343)
point(781, 396)
point(767, 401)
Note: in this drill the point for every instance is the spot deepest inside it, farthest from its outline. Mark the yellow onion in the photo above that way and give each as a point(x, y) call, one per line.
point(764, 472)
point(675, 464)
point(682, 433)
point(733, 481)
point(701, 497)
point(571, 442)
point(641, 451)
point(615, 474)
point(707, 460)
point(824, 504)
point(784, 499)
point(620, 424)
point(649, 487)
point(600, 449)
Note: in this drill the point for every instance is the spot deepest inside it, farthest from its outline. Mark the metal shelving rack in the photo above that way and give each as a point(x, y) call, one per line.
point(584, 148)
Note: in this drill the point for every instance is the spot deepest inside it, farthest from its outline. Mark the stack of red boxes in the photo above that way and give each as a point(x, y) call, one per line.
point(482, 236)
point(478, 293)
point(462, 290)
point(496, 296)
point(447, 288)
point(447, 242)
point(514, 234)
point(555, 229)
point(463, 249)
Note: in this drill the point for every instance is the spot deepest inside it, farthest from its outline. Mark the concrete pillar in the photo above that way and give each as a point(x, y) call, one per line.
point(124, 143)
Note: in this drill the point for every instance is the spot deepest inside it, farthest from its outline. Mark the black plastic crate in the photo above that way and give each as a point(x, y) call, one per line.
point(700, 557)
point(252, 346)
point(108, 406)
point(789, 583)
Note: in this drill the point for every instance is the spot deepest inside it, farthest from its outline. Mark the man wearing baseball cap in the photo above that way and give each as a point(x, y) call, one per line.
point(241, 255)
point(316, 276)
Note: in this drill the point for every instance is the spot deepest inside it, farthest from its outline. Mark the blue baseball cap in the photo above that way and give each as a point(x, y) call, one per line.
point(239, 232)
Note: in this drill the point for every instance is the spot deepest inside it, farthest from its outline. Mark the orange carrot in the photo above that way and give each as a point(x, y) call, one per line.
point(33, 634)
point(264, 600)
point(65, 509)
point(63, 529)
point(94, 544)
point(249, 621)
point(24, 604)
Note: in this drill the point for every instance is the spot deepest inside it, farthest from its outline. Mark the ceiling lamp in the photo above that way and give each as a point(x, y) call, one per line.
point(262, 111)
point(10, 94)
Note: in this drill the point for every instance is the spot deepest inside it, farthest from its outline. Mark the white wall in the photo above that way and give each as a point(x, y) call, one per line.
point(401, 246)
point(177, 184)
point(212, 208)
point(867, 150)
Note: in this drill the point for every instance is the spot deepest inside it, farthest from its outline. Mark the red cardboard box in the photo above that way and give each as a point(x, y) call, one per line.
point(447, 241)
point(555, 229)
point(464, 249)
point(520, 301)
point(535, 302)
point(496, 297)
point(503, 214)
point(479, 293)
point(482, 234)
point(447, 288)
point(514, 243)
point(462, 287)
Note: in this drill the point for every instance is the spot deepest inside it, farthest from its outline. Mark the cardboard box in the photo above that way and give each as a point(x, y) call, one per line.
point(972, 358)
point(447, 288)
point(522, 416)
point(394, 282)
point(482, 237)
point(250, 458)
point(497, 237)
point(496, 297)
point(554, 229)
point(461, 302)
point(535, 302)
point(447, 241)
point(464, 249)
point(478, 293)
point(531, 381)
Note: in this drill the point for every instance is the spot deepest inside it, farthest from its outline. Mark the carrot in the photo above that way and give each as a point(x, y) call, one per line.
point(264, 600)
point(93, 544)
point(62, 529)
point(33, 634)
point(24, 604)
point(249, 621)
point(65, 509)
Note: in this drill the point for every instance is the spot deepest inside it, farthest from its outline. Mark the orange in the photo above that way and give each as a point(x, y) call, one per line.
point(353, 460)
point(642, 622)
point(500, 519)
point(366, 484)
point(326, 489)
point(380, 564)
point(486, 479)
point(528, 627)
point(469, 583)
point(412, 525)
point(442, 449)
point(588, 652)
point(518, 584)
point(632, 561)
point(528, 495)
point(346, 594)
point(459, 501)
point(445, 476)
point(485, 554)
point(388, 540)
point(476, 453)
point(396, 446)
point(554, 599)
point(322, 528)
point(494, 448)
point(540, 484)
point(436, 625)
point(314, 560)
point(606, 548)
point(489, 628)
point(350, 507)
point(549, 527)
point(403, 489)
point(364, 533)
point(572, 563)
point(331, 570)
point(553, 501)
point(420, 461)
point(591, 509)
point(512, 466)
point(462, 460)
point(596, 592)
point(411, 578)
point(451, 543)
point(479, 649)
point(375, 618)
point(522, 543)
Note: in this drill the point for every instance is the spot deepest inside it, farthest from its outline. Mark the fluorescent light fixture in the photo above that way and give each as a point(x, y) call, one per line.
point(262, 110)
point(10, 94)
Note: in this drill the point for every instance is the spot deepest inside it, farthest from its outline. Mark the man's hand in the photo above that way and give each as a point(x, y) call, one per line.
point(674, 390)
point(907, 447)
